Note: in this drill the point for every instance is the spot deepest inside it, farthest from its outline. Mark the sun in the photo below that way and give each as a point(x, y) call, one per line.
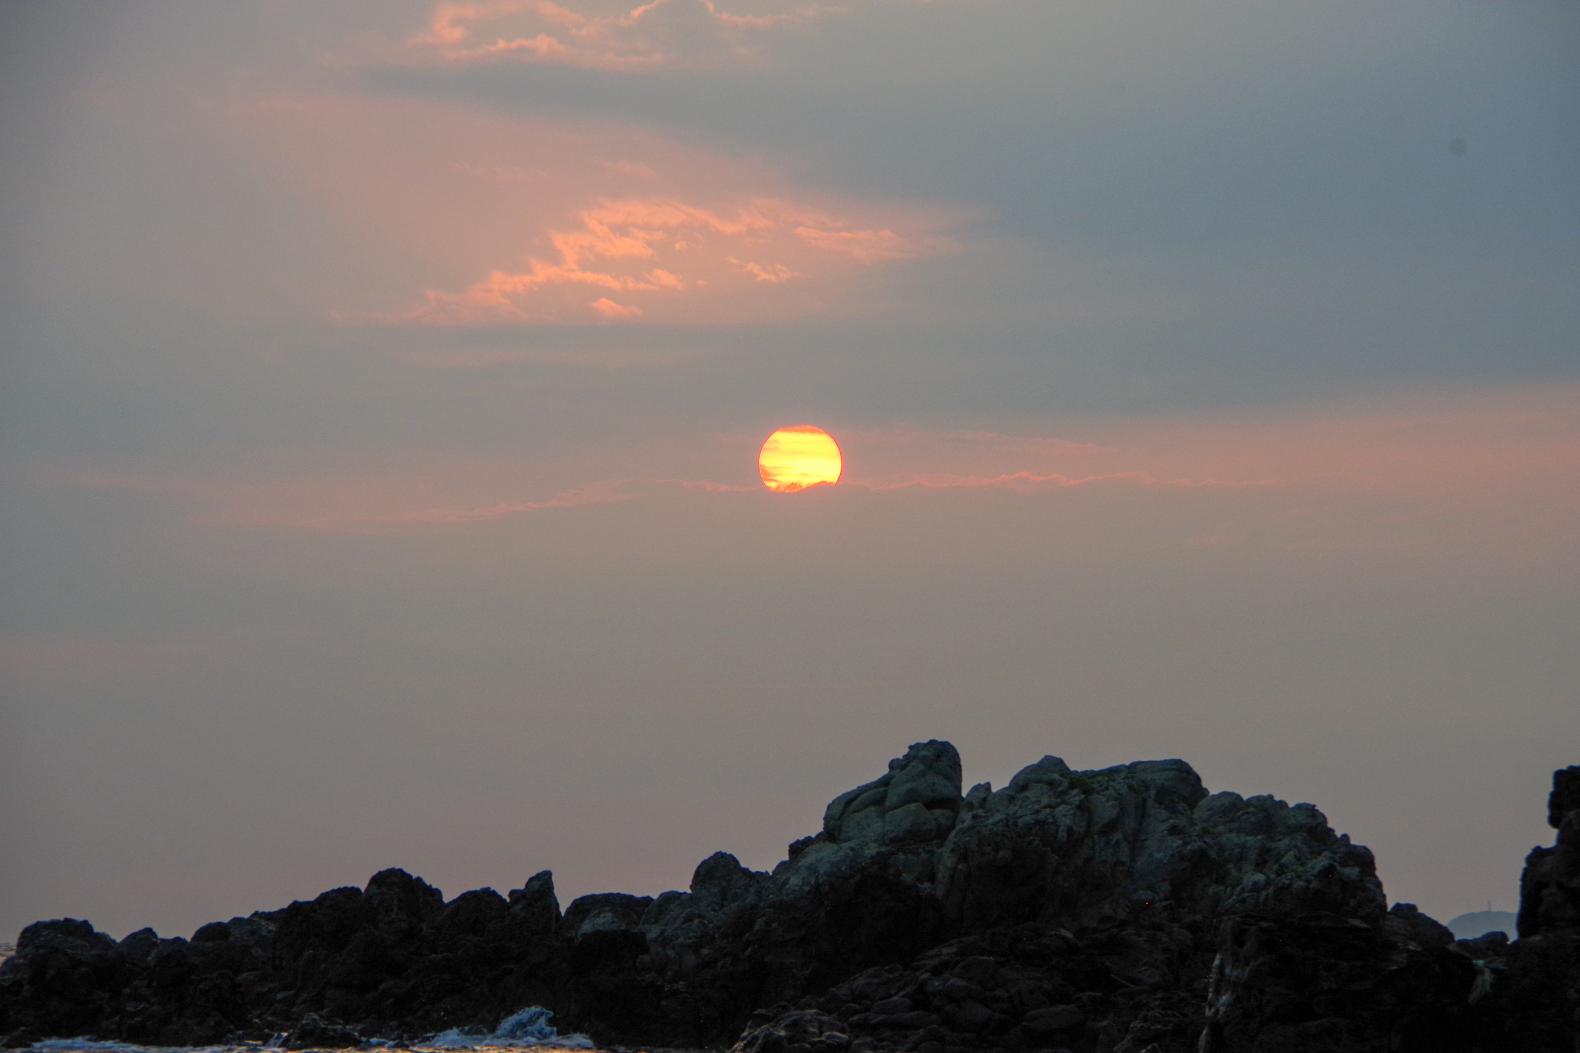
point(799, 457)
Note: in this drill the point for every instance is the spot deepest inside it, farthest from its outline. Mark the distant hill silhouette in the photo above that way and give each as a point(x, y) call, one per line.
point(1481, 922)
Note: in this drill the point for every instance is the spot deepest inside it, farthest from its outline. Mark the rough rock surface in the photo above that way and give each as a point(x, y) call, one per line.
point(1124, 910)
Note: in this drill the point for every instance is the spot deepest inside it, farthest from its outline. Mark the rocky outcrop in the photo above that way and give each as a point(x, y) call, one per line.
point(1550, 886)
point(380, 959)
point(1540, 973)
point(1125, 909)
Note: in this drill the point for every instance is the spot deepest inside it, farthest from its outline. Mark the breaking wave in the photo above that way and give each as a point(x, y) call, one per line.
point(526, 1027)
point(83, 1045)
point(94, 1045)
point(530, 1028)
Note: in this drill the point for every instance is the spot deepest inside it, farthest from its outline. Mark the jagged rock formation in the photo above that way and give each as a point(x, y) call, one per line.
point(1122, 910)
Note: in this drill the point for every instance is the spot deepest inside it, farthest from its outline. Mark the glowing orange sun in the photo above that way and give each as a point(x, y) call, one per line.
point(799, 457)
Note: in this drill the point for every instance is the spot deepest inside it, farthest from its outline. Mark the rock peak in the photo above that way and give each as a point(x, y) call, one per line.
point(916, 799)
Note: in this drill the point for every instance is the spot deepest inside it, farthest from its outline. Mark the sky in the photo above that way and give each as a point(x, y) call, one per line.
point(381, 387)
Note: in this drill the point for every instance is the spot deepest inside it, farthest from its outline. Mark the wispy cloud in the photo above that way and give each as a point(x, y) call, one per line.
point(611, 310)
point(1495, 470)
point(864, 246)
point(601, 492)
point(635, 169)
point(487, 219)
point(597, 360)
point(772, 273)
point(593, 494)
point(372, 502)
point(934, 442)
point(666, 260)
point(1028, 480)
point(499, 173)
point(76, 661)
point(660, 34)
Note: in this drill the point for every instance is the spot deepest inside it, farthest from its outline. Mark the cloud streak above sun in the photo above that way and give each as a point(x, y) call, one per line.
point(490, 219)
point(660, 34)
point(668, 260)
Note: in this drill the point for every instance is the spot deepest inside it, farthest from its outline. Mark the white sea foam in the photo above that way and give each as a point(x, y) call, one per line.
point(93, 1045)
point(529, 1027)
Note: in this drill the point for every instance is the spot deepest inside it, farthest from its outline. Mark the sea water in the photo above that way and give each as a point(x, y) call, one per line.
point(531, 1028)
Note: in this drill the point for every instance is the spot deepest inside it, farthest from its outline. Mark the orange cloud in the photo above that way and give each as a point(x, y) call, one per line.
point(1057, 480)
point(354, 498)
point(773, 273)
point(590, 359)
point(498, 173)
point(669, 261)
point(661, 34)
point(484, 219)
point(635, 169)
point(611, 310)
point(865, 246)
point(1423, 443)
point(347, 502)
point(593, 494)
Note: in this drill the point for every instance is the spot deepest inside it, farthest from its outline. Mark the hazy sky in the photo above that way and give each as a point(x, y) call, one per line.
point(381, 385)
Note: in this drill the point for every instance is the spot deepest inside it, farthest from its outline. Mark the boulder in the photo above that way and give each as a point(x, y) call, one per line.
point(923, 786)
point(1407, 925)
point(399, 903)
point(534, 907)
point(604, 912)
point(720, 883)
point(471, 914)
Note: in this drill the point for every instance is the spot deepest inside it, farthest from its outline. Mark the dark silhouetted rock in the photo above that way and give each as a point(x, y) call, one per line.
point(534, 907)
point(1536, 983)
point(1550, 886)
point(720, 882)
point(1407, 925)
point(1122, 910)
point(399, 903)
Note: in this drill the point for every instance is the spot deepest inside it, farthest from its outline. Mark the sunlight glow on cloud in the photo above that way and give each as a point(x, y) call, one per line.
point(773, 273)
point(1025, 480)
point(864, 246)
point(487, 219)
point(660, 34)
point(669, 261)
point(611, 310)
